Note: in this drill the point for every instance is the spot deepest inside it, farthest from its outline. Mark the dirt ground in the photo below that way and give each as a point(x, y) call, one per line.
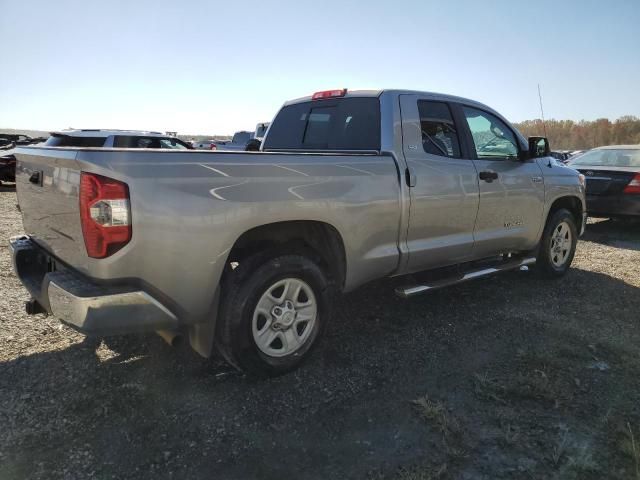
point(510, 377)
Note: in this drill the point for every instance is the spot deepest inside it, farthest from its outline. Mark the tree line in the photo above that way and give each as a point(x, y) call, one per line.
point(570, 135)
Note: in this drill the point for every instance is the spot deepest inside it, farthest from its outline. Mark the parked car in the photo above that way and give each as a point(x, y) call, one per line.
point(613, 180)
point(561, 155)
point(205, 144)
point(239, 141)
point(7, 165)
point(114, 139)
point(8, 143)
point(246, 251)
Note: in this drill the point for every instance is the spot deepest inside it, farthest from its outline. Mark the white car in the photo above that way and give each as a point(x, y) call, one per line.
point(114, 139)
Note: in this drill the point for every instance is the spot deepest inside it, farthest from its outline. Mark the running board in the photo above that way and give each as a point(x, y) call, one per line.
point(406, 292)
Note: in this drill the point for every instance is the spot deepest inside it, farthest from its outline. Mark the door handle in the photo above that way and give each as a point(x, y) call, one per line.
point(488, 176)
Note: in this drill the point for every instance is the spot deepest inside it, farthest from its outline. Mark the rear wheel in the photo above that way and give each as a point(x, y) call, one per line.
point(558, 244)
point(273, 312)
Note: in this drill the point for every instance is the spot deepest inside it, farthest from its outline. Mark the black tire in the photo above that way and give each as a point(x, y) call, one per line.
point(243, 287)
point(545, 264)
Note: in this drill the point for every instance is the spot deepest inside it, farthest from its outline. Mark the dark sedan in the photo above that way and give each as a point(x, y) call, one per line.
point(7, 166)
point(613, 180)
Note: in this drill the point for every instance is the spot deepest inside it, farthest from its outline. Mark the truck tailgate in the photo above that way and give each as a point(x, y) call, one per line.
point(47, 184)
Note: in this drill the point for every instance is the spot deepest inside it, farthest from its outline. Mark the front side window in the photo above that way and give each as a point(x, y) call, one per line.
point(439, 133)
point(492, 138)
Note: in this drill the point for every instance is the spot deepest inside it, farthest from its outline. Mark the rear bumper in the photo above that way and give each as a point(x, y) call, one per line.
point(613, 205)
point(82, 303)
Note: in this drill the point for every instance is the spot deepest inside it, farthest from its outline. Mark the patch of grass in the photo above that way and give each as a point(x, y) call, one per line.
point(560, 448)
point(487, 388)
point(436, 413)
point(422, 473)
point(630, 447)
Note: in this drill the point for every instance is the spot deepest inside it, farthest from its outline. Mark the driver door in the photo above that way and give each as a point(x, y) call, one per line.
point(511, 189)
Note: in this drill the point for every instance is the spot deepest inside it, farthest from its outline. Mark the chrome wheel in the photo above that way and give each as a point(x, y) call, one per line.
point(561, 243)
point(284, 317)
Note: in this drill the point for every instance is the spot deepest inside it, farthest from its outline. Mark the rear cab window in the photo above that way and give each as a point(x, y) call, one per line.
point(351, 123)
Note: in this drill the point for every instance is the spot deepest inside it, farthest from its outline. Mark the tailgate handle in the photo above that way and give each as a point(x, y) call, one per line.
point(36, 178)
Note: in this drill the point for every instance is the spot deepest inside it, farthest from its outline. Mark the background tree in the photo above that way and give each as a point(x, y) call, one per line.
point(570, 135)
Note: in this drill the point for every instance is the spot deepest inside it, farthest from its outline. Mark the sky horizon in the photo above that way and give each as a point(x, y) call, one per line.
point(207, 68)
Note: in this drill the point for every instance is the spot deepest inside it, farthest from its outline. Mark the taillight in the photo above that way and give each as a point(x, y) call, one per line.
point(213, 146)
point(104, 214)
point(634, 185)
point(329, 94)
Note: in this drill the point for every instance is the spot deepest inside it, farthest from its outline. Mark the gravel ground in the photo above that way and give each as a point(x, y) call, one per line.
point(509, 377)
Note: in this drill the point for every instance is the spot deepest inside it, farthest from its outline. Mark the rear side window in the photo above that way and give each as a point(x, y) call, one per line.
point(439, 133)
point(344, 124)
point(129, 141)
point(69, 141)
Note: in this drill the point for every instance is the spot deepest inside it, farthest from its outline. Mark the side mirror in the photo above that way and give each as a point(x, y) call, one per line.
point(253, 145)
point(538, 147)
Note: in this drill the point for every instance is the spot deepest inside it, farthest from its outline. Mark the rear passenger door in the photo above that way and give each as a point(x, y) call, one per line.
point(444, 195)
point(511, 186)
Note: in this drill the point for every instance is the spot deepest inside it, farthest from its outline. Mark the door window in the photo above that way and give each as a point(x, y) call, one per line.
point(492, 138)
point(439, 133)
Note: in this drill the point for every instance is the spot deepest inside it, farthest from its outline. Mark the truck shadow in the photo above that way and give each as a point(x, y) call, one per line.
point(135, 405)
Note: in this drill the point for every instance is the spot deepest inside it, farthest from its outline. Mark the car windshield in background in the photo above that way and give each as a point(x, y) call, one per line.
point(69, 141)
point(344, 124)
point(627, 157)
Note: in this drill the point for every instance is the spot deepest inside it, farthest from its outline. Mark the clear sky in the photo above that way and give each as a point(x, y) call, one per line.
point(216, 67)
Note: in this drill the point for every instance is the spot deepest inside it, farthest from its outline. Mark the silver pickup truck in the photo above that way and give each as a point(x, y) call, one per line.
point(244, 251)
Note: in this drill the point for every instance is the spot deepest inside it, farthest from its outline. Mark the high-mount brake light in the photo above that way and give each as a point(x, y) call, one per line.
point(329, 94)
point(105, 214)
point(633, 187)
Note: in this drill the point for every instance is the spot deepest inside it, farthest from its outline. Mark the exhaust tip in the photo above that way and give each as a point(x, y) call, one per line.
point(32, 307)
point(173, 339)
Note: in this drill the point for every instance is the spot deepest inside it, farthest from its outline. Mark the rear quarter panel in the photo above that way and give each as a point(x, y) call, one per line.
point(188, 209)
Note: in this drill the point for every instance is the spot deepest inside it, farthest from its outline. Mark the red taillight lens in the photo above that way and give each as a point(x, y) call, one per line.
point(213, 146)
point(329, 94)
point(105, 214)
point(634, 185)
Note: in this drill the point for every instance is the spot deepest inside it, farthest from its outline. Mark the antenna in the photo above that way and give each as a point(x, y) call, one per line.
point(544, 125)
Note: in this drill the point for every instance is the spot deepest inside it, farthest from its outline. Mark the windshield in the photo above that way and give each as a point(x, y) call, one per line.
point(626, 157)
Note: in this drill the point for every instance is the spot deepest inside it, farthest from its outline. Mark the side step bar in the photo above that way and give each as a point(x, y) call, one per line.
point(406, 292)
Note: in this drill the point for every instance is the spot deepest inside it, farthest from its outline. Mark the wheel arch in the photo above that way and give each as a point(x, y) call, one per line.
point(321, 238)
point(569, 202)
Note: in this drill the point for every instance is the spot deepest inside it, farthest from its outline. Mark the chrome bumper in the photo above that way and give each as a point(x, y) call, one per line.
point(82, 303)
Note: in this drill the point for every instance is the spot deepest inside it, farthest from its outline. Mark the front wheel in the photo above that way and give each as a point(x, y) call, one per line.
point(273, 313)
point(558, 244)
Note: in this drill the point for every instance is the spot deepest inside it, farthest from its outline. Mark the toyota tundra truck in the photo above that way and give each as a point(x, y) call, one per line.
point(244, 252)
